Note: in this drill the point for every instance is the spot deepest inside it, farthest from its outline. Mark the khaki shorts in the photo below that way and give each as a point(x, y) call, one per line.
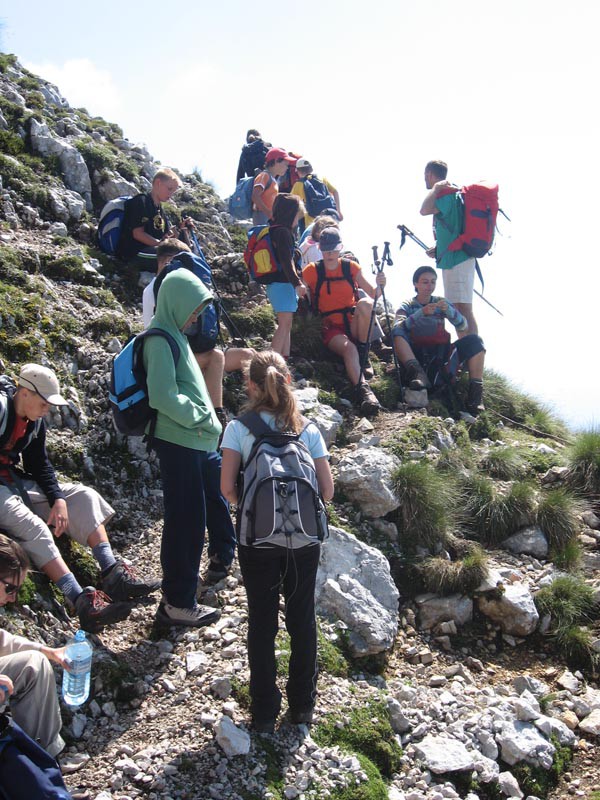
point(459, 281)
point(86, 508)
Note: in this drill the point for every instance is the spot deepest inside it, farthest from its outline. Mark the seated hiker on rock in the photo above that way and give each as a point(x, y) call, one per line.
point(35, 508)
point(265, 184)
point(328, 203)
point(334, 283)
point(145, 223)
point(419, 330)
point(212, 361)
point(287, 286)
point(309, 241)
point(185, 438)
point(272, 567)
point(27, 683)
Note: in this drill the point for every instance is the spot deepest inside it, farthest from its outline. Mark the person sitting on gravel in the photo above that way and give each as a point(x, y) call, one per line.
point(212, 361)
point(269, 569)
point(334, 283)
point(27, 681)
point(145, 223)
point(419, 329)
point(185, 439)
point(33, 505)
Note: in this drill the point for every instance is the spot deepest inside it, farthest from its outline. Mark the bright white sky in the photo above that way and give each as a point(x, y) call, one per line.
point(369, 92)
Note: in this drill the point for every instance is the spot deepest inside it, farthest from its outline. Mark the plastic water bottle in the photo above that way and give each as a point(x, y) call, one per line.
point(76, 680)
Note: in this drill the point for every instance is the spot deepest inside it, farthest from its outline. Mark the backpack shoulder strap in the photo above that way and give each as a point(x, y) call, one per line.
point(255, 424)
point(320, 267)
point(165, 335)
point(347, 273)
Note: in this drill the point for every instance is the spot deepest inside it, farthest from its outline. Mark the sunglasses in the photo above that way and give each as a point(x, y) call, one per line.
point(10, 588)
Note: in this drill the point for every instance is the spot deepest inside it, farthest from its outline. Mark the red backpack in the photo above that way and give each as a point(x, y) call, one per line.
point(259, 255)
point(481, 210)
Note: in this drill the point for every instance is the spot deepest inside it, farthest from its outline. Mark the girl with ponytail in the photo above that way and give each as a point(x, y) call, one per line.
point(266, 569)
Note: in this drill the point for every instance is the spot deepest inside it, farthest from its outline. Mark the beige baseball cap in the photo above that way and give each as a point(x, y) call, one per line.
point(42, 381)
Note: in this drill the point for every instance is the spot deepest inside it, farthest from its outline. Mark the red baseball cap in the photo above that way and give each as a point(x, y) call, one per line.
point(278, 152)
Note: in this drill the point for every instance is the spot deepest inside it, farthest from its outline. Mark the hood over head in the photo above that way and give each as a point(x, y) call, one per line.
point(180, 294)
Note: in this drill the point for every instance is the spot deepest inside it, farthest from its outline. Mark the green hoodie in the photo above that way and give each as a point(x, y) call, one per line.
point(186, 415)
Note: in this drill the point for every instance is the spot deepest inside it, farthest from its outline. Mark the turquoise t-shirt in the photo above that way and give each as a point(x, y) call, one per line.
point(448, 225)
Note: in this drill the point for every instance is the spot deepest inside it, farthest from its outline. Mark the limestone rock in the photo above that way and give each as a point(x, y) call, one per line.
point(443, 754)
point(73, 167)
point(233, 740)
point(530, 541)
point(514, 610)
point(354, 584)
point(521, 741)
point(327, 420)
point(509, 785)
point(591, 723)
point(365, 476)
point(434, 610)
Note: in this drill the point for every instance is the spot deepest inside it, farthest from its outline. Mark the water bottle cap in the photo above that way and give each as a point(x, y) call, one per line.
point(80, 636)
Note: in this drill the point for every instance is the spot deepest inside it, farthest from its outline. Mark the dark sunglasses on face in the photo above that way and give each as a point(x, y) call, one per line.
point(10, 588)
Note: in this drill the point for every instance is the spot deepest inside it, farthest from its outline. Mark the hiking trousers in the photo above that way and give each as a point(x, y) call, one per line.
point(34, 703)
point(265, 572)
point(192, 498)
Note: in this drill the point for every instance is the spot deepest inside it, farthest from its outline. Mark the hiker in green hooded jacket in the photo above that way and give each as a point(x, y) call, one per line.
point(185, 440)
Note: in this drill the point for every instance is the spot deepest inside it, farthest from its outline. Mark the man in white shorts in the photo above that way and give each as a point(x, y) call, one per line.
point(458, 269)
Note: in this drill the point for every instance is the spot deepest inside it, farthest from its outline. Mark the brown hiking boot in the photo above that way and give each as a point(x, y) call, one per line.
point(474, 404)
point(95, 610)
point(416, 377)
point(369, 404)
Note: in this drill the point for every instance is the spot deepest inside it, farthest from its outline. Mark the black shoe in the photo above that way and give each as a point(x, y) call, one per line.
point(369, 404)
point(122, 583)
point(474, 404)
point(216, 570)
point(302, 717)
point(195, 617)
point(382, 351)
point(95, 610)
point(264, 726)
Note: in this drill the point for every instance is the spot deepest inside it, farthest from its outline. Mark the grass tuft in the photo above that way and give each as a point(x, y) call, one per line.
point(557, 516)
point(449, 577)
point(569, 601)
point(503, 463)
point(493, 513)
point(426, 500)
point(584, 463)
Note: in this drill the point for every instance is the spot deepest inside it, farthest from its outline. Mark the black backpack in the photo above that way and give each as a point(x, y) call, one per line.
point(253, 156)
point(280, 504)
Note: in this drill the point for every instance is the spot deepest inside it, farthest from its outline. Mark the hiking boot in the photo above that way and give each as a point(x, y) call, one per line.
point(263, 726)
point(195, 617)
point(362, 354)
point(95, 610)
point(474, 404)
point(123, 583)
point(369, 404)
point(302, 717)
point(416, 377)
point(216, 570)
point(382, 351)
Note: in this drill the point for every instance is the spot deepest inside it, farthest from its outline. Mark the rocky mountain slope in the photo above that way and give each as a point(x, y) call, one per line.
point(449, 666)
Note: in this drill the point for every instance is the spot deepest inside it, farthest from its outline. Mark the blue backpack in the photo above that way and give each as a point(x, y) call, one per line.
point(240, 202)
point(128, 393)
point(27, 771)
point(204, 333)
point(318, 198)
point(109, 225)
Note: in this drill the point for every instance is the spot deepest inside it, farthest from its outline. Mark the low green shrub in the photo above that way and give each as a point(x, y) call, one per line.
point(257, 322)
point(365, 730)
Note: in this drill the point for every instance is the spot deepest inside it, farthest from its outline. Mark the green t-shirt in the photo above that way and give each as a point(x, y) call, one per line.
point(448, 225)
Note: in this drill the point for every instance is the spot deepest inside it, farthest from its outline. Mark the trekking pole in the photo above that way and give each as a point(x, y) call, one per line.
point(365, 355)
point(407, 232)
point(387, 259)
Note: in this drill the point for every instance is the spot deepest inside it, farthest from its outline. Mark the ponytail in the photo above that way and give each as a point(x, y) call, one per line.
point(269, 372)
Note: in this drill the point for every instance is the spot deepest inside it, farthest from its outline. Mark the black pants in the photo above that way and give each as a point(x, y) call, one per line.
point(192, 499)
point(264, 572)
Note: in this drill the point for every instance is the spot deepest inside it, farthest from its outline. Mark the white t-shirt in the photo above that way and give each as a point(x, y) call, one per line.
point(148, 303)
point(237, 437)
